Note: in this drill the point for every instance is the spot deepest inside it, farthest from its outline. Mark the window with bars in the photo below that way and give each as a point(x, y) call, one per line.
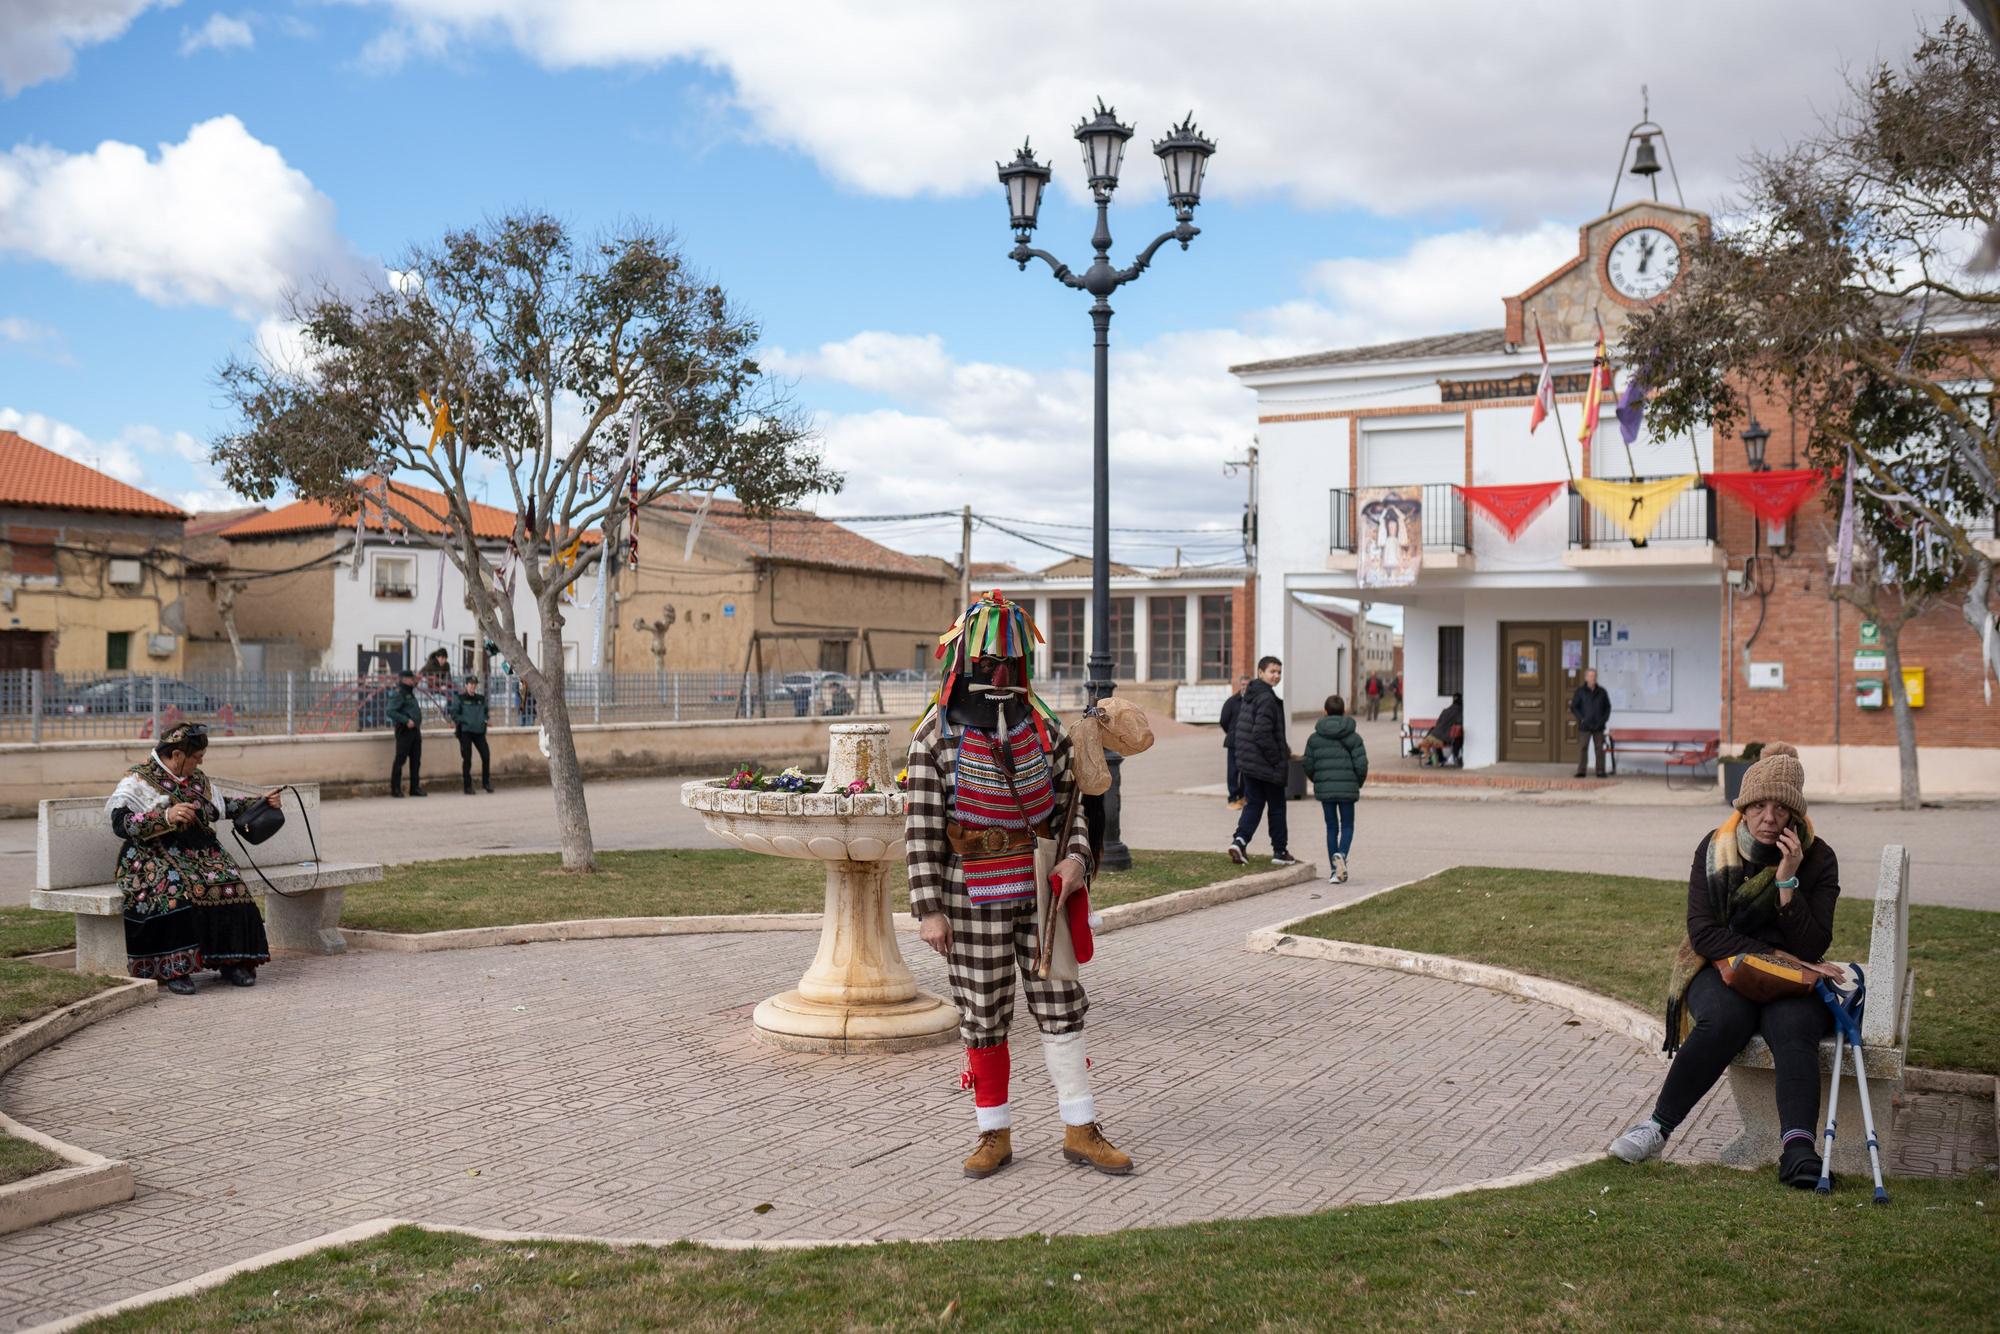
point(1451, 660)
point(1166, 639)
point(1218, 636)
point(1124, 661)
point(1065, 636)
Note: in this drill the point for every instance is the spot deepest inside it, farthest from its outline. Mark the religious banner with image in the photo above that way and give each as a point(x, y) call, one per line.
point(1390, 543)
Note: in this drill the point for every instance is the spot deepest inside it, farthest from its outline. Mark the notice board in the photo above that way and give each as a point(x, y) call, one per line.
point(1639, 680)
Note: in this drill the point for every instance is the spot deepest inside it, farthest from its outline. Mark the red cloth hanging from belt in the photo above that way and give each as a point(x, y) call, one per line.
point(1773, 497)
point(1513, 508)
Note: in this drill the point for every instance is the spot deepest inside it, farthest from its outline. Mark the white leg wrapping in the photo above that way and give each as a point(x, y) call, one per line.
point(1069, 1070)
point(996, 1118)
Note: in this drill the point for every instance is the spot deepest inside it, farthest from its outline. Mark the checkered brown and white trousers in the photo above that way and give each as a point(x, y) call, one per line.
point(989, 946)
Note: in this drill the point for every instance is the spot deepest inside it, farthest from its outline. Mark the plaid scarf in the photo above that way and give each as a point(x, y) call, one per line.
point(1741, 894)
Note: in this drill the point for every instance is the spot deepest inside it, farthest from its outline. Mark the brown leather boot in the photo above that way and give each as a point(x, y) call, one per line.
point(995, 1151)
point(1086, 1144)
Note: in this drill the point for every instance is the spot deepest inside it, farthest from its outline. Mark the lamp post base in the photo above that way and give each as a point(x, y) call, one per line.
point(1114, 856)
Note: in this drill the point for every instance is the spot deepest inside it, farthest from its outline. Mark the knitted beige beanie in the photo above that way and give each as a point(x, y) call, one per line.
point(1776, 776)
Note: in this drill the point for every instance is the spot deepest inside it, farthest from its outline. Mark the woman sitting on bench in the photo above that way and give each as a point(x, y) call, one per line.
point(1761, 884)
point(1433, 745)
point(186, 906)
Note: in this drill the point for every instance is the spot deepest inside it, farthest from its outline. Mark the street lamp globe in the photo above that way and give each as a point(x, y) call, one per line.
point(1183, 158)
point(1103, 140)
point(1755, 437)
point(1024, 179)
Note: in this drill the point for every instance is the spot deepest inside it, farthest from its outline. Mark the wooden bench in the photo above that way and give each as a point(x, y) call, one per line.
point(1415, 728)
point(1683, 749)
point(1885, 1045)
point(76, 862)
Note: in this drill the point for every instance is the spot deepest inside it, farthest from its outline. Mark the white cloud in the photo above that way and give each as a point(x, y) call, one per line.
point(220, 33)
point(218, 219)
point(1010, 440)
point(35, 338)
point(39, 38)
point(1514, 110)
point(137, 455)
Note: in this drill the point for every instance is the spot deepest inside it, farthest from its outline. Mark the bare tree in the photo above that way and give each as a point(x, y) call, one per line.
point(1842, 288)
point(570, 369)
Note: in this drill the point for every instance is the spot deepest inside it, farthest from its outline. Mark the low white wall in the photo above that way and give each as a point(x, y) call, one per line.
point(1876, 771)
point(342, 763)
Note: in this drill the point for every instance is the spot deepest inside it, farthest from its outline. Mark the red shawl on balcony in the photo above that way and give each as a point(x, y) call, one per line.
point(1773, 497)
point(1512, 508)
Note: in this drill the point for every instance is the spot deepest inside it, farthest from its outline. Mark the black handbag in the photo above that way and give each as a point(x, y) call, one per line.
point(257, 823)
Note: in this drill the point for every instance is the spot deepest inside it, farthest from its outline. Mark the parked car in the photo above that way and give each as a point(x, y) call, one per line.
point(134, 694)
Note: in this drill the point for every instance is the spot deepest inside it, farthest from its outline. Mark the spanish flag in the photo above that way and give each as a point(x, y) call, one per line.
point(1600, 385)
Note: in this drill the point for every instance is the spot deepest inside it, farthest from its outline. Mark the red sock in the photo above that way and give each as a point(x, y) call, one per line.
point(989, 1067)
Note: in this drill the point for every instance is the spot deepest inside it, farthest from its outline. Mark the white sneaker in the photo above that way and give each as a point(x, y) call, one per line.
point(1339, 870)
point(1238, 855)
point(1642, 1143)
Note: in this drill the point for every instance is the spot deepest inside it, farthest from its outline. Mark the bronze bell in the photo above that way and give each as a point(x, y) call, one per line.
point(1645, 162)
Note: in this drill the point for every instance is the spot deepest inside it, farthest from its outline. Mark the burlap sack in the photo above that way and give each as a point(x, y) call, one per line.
point(1125, 728)
point(1086, 757)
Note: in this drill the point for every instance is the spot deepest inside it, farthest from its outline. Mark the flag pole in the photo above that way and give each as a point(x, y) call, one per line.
point(1602, 366)
point(1555, 402)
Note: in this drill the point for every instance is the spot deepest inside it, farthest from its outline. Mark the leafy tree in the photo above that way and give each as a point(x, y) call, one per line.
point(1843, 289)
point(516, 353)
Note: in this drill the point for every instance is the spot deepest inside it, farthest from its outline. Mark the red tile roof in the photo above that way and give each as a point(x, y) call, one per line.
point(798, 537)
point(995, 569)
point(312, 516)
point(35, 477)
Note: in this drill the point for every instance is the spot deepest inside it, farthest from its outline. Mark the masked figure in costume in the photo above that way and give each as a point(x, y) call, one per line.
point(990, 773)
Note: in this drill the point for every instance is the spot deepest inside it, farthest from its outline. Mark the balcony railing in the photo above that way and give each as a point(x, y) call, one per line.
point(1689, 521)
point(1444, 525)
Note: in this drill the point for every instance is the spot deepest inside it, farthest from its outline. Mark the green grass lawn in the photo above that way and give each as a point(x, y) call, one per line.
point(673, 882)
point(20, 1159)
point(1606, 1247)
point(32, 931)
point(1615, 934)
point(28, 991)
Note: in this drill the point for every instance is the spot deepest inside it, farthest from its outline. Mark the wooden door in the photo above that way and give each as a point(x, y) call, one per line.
point(1530, 729)
point(1572, 656)
point(26, 650)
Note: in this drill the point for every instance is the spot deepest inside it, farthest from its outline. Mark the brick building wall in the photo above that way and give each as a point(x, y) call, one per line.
point(1815, 636)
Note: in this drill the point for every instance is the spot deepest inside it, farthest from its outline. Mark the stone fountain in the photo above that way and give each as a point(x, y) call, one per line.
point(858, 995)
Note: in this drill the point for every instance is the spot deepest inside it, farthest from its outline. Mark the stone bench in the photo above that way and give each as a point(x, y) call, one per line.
point(76, 862)
point(1885, 1039)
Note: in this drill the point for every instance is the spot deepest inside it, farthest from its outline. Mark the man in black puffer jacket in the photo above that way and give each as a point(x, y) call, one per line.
point(1264, 759)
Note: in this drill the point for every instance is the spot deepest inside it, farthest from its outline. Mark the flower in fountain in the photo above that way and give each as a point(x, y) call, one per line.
point(746, 776)
point(791, 780)
point(903, 776)
point(857, 787)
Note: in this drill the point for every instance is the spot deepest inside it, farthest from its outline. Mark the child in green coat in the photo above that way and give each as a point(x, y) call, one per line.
point(1336, 764)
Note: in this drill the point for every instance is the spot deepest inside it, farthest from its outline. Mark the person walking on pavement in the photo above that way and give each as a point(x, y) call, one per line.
point(1337, 764)
point(1264, 758)
point(1591, 707)
point(1230, 708)
point(1374, 692)
point(406, 715)
point(468, 724)
point(1396, 699)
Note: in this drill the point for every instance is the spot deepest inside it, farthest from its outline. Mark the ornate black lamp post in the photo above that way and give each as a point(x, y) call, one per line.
point(1183, 158)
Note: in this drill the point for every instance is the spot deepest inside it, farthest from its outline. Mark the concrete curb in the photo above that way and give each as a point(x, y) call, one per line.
point(1601, 1010)
point(619, 928)
point(92, 1180)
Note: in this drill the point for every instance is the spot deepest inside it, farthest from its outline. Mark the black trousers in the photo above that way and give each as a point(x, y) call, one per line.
point(409, 746)
point(1259, 793)
point(1583, 744)
point(1723, 1022)
point(467, 743)
point(1234, 774)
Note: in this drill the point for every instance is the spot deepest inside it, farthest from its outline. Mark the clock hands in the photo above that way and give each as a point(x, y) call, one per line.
point(1645, 252)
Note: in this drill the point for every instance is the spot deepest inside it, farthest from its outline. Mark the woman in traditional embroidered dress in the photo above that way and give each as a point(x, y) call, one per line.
point(1762, 883)
point(186, 907)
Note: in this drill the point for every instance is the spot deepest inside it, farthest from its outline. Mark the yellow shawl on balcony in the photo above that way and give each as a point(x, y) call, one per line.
point(1635, 507)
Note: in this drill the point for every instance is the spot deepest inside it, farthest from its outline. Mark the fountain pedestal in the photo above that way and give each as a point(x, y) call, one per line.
point(858, 995)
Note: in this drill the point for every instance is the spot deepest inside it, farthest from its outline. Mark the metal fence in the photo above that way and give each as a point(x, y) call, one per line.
point(51, 706)
point(1689, 520)
point(1442, 521)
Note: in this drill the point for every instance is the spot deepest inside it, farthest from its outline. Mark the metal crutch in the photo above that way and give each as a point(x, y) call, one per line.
point(1847, 1021)
point(1832, 1107)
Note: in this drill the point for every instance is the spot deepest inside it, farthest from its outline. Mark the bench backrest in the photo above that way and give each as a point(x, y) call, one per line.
point(1666, 734)
point(75, 848)
point(1888, 950)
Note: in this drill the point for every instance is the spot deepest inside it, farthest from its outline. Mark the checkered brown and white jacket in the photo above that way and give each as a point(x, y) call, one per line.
point(935, 871)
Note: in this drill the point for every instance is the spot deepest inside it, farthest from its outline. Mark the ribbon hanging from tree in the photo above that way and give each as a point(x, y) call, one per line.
point(1773, 497)
point(632, 496)
point(437, 612)
point(441, 426)
point(1511, 508)
point(1636, 507)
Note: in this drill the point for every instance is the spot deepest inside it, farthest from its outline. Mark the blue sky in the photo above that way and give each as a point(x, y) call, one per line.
point(831, 165)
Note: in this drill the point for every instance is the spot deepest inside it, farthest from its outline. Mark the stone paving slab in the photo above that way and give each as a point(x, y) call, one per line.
point(613, 1088)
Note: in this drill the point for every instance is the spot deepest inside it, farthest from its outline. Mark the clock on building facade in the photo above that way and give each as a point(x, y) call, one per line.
point(1642, 262)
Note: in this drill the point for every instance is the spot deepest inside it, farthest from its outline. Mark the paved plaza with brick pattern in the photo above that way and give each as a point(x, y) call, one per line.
point(613, 1088)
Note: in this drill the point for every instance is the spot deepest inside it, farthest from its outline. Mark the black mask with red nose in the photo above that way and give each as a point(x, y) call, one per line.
point(991, 694)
